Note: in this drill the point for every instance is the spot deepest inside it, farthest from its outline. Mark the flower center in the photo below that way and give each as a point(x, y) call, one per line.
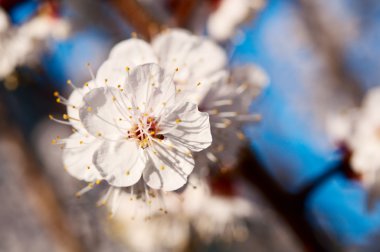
point(145, 131)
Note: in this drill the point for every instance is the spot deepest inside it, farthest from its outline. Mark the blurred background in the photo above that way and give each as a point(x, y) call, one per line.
point(321, 57)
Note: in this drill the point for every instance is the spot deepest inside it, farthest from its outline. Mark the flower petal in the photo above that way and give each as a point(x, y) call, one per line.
point(111, 73)
point(75, 101)
point(151, 88)
point(134, 52)
point(180, 49)
point(187, 126)
point(77, 157)
point(120, 163)
point(170, 166)
point(105, 113)
point(125, 55)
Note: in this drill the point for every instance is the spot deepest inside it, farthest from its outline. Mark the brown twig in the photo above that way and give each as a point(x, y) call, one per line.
point(183, 11)
point(138, 17)
point(291, 207)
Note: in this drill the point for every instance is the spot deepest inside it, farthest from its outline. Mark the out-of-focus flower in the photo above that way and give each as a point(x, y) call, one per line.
point(227, 102)
point(129, 125)
point(21, 45)
point(229, 14)
point(212, 216)
point(364, 143)
point(360, 131)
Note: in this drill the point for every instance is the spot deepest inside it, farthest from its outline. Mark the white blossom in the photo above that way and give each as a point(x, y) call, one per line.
point(224, 21)
point(94, 152)
point(360, 130)
point(228, 101)
point(129, 125)
point(20, 45)
point(197, 208)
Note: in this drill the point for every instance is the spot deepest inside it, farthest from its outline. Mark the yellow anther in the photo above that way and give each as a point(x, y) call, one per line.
point(179, 90)
point(98, 181)
point(69, 82)
point(99, 134)
point(127, 69)
point(178, 120)
point(80, 142)
point(177, 69)
point(128, 173)
point(198, 84)
point(113, 98)
point(162, 167)
point(51, 117)
point(152, 133)
point(53, 141)
point(65, 116)
point(89, 109)
point(56, 94)
point(88, 167)
point(86, 84)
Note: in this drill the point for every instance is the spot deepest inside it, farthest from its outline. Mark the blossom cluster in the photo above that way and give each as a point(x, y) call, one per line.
point(153, 115)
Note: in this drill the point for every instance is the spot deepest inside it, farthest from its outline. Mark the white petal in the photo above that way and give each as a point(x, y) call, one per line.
point(196, 58)
point(170, 166)
point(77, 157)
point(120, 163)
point(75, 102)
point(187, 126)
point(124, 56)
point(105, 113)
point(151, 88)
point(133, 52)
point(111, 73)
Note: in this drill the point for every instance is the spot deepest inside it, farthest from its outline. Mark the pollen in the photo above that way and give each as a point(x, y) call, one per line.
point(65, 116)
point(162, 167)
point(56, 94)
point(178, 121)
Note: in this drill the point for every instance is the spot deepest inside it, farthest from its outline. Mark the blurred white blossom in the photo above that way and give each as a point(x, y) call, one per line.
point(22, 44)
point(197, 208)
point(360, 131)
point(229, 14)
